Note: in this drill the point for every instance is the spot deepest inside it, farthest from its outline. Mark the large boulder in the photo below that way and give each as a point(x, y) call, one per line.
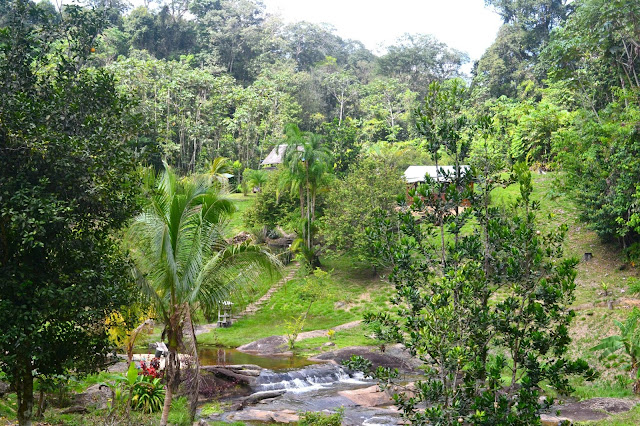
point(280, 416)
point(267, 346)
point(393, 357)
point(216, 382)
point(368, 397)
point(95, 396)
point(589, 409)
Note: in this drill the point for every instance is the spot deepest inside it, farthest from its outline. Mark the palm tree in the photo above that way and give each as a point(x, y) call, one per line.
point(306, 158)
point(218, 168)
point(185, 263)
point(257, 178)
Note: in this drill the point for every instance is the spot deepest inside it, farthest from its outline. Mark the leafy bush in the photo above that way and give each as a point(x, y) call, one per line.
point(273, 206)
point(312, 418)
point(349, 212)
point(179, 414)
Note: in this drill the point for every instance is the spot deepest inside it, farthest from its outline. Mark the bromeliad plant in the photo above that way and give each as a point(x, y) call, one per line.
point(148, 394)
point(136, 389)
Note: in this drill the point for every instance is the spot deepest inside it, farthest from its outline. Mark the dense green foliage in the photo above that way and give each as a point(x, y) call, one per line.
point(371, 187)
point(67, 182)
point(185, 263)
point(273, 206)
point(87, 93)
point(486, 357)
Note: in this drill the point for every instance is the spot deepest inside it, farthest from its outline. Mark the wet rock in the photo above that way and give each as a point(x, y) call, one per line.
point(593, 409)
point(280, 416)
point(217, 385)
point(244, 369)
point(367, 397)
point(267, 346)
point(392, 357)
point(380, 421)
point(95, 396)
point(548, 420)
point(256, 397)
point(230, 375)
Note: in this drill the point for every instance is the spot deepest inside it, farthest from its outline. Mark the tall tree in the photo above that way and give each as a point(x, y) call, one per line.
point(512, 58)
point(179, 249)
point(67, 184)
point(232, 30)
point(419, 59)
point(307, 156)
point(386, 103)
point(485, 361)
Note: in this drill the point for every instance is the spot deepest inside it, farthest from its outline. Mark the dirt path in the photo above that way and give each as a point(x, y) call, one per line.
point(253, 307)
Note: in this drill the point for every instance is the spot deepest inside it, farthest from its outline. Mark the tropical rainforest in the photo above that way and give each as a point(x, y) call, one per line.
point(132, 186)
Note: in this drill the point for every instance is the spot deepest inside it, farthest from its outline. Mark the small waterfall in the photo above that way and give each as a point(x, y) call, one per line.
point(306, 379)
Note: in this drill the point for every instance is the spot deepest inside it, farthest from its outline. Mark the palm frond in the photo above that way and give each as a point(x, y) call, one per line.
point(233, 268)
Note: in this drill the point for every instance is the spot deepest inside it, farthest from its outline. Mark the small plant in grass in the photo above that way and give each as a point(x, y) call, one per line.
point(330, 334)
point(634, 286)
point(211, 409)
point(605, 288)
point(314, 418)
point(308, 292)
point(293, 328)
point(629, 341)
point(179, 414)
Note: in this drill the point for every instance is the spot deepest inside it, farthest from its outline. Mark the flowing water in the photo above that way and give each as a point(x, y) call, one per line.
point(309, 386)
point(316, 388)
point(212, 355)
point(308, 379)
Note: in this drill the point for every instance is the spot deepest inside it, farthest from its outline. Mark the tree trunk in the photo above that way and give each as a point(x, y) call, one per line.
point(166, 407)
point(24, 391)
point(171, 370)
point(41, 401)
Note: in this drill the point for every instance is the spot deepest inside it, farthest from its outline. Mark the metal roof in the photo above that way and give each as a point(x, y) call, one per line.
point(276, 156)
point(417, 173)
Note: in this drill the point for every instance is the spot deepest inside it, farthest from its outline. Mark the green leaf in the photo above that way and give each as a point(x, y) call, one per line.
point(132, 374)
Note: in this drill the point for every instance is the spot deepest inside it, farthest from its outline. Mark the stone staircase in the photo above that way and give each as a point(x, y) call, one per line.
point(255, 306)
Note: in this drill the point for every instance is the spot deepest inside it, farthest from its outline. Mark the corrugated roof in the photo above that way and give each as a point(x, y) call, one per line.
point(417, 173)
point(276, 156)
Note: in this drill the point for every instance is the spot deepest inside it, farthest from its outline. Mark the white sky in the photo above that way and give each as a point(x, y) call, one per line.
point(466, 25)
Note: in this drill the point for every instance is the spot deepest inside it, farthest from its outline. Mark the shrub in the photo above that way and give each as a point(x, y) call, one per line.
point(312, 418)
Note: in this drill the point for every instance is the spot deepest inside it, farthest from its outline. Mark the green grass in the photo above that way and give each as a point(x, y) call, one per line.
point(211, 408)
point(357, 336)
point(8, 406)
point(242, 203)
point(344, 298)
point(629, 418)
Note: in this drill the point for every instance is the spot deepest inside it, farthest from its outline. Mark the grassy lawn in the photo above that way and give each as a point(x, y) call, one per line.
point(242, 203)
point(345, 297)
